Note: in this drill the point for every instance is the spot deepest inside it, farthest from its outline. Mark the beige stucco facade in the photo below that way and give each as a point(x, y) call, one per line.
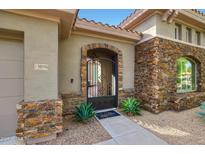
point(154, 26)
point(40, 47)
point(148, 27)
point(70, 56)
point(167, 30)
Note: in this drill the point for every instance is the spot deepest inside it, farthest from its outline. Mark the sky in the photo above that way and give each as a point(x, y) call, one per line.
point(107, 16)
point(110, 16)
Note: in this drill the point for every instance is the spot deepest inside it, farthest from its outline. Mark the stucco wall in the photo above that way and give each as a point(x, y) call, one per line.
point(40, 47)
point(148, 27)
point(165, 29)
point(155, 26)
point(203, 39)
point(69, 62)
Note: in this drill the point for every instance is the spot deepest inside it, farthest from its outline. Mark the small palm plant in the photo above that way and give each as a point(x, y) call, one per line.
point(131, 106)
point(84, 112)
point(202, 113)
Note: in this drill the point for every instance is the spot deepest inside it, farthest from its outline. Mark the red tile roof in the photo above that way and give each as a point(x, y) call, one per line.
point(108, 26)
point(198, 12)
point(137, 11)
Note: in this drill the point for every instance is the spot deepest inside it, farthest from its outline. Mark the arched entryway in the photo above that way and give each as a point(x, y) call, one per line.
point(101, 75)
point(102, 78)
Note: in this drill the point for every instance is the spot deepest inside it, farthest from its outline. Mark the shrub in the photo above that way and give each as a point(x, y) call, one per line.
point(131, 106)
point(202, 113)
point(84, 112)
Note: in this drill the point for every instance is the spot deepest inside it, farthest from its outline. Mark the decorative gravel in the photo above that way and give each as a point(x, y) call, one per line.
point(183, 127)
point(79, 133)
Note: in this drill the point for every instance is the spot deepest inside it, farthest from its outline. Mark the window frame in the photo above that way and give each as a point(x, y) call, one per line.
point(195, 76)
point(188, 35)
point(198, 38)
point(178, 31)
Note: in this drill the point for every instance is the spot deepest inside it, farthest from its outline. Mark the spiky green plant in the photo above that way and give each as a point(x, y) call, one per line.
point(202, 113)
point(131, 106)
point(84, 112)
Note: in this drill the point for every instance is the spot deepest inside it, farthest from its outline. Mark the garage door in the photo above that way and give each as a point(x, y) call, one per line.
point(11, 84)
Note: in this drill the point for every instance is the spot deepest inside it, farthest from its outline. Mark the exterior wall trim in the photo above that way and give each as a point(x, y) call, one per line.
point(168, 38)
point(104, 37)
point(190, 25)
point(64, 18)
point(83, 25)
point(33, 15)
point(11, 34)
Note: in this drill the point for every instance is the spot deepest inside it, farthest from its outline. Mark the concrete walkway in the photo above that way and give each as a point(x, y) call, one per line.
point(8, 140)
point(126, 132)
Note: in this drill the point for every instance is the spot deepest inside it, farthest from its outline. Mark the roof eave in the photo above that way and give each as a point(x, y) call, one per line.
point(64, 18)
point(82, 26)
point(186, 15)
point(194, 19)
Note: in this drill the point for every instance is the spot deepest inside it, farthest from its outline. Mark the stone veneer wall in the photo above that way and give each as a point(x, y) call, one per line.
point(155, 75)
point(72, 99)
point(123, 94)
point(39, 119)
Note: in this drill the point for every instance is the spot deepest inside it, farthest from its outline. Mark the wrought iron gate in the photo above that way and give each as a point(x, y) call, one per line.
point(102, 83)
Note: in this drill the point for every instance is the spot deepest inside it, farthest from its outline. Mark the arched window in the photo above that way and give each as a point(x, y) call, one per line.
point(186, 75)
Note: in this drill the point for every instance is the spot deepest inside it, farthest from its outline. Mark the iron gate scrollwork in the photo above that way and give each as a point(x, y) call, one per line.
point(101, 82)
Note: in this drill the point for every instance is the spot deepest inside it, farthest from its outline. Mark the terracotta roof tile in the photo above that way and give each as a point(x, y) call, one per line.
point(198, 12)
point(129, 16)
point(108, 26)
point(138, 11)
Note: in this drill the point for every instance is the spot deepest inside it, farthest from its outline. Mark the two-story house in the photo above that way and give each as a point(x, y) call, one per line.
point(51, 60)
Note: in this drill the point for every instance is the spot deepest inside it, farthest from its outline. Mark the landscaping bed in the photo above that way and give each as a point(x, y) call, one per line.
point(183, 127)
point(80, 133)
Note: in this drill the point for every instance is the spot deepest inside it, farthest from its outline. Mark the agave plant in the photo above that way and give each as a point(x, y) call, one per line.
point(84, 112)
point(131, 106)
point(202, 113)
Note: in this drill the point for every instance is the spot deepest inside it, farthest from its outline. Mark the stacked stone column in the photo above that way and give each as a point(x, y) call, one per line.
point(39, 119)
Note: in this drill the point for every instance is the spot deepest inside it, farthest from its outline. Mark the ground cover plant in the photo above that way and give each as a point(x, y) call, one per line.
point(131, 106)
point(84, 112)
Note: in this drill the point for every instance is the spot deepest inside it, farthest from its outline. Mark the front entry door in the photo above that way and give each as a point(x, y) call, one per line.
point(102, 83)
